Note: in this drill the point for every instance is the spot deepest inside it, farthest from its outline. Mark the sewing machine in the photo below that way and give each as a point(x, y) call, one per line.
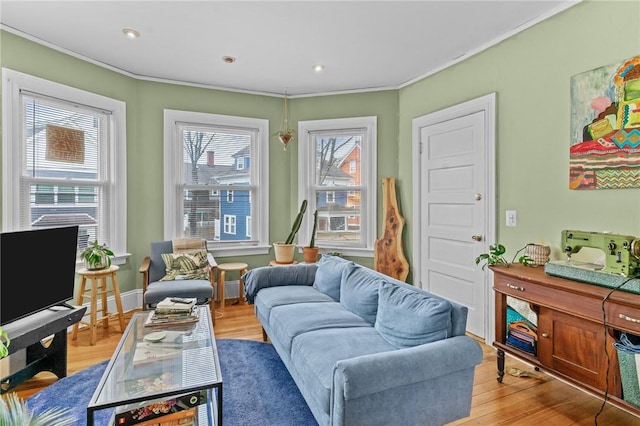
point(621, 259)
point(621, 254)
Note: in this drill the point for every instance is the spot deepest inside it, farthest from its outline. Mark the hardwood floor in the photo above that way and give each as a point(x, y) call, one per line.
point(540, 400)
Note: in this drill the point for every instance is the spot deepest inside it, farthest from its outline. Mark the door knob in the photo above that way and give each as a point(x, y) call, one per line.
point(477, 237)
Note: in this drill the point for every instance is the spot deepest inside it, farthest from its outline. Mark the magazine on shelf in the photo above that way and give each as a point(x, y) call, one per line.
point(178, 410)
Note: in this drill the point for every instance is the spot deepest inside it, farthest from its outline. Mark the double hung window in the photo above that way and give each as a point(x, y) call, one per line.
point(64, 160)
point(337, 170)
point(216, 180)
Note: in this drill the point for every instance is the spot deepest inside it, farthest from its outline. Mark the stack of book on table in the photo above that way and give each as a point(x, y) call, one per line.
point(173, 311)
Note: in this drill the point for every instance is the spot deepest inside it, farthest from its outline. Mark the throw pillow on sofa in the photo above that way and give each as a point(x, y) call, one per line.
point(359, 292)
point(408, 318)
point(186, 266)
point(329, 275)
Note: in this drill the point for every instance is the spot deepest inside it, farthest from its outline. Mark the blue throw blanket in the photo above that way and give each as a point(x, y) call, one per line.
point(272, 276)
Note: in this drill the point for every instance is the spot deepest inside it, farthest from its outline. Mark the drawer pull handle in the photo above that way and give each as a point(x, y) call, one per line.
point(515, 287)
point(545, 334)
point(630, 319)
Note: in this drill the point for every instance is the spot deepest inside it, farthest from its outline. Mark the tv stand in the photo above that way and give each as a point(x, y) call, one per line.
point(27, 333)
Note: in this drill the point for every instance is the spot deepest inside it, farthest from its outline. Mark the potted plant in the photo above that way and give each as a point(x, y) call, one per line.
point(310, 252)
point(284, 251)
point(285, 134)
point(97, 256)
point(15, 411)
point(4, 343)
point(495, 257)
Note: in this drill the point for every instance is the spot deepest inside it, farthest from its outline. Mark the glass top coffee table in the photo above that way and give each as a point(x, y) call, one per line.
point(161, 371)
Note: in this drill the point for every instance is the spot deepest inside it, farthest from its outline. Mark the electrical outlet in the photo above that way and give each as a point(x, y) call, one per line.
point(512, 217)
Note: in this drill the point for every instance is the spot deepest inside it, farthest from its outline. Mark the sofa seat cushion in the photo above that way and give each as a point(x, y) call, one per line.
point(315, 354)
point(268, 298)
point(288, 321)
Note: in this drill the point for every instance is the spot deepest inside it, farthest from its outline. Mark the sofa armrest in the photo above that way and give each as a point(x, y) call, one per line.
point(272, 276)
point(430, 384)
point(376, 372)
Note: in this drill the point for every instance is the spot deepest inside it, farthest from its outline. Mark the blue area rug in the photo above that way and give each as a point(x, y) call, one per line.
point(257, 389)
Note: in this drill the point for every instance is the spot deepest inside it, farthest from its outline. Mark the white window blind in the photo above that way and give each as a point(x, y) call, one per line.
point(64, 173)
point(64, 160)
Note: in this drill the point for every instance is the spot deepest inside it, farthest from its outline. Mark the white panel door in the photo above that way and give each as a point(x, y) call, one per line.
point(452, 213)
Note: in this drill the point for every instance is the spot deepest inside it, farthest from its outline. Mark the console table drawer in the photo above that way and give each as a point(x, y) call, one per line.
point(623, 317)
point(520, 289)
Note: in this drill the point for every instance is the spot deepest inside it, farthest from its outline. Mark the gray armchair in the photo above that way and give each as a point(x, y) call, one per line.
point(153, 269)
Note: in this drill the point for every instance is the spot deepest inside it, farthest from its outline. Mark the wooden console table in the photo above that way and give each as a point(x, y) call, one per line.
point(573, 328)
point(28, 333)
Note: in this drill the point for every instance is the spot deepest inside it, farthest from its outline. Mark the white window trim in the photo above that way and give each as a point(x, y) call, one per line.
point(173, 167)
point(12, 83)
point(368, 170)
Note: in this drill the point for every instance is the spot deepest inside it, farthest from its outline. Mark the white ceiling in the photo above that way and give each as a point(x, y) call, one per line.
point(365, 45)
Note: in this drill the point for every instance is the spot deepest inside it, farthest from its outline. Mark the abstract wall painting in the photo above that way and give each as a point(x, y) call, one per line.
point(605, 127)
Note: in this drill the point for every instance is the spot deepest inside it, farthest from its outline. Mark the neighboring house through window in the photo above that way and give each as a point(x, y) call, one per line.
point(337, 176)
point(64, 160)
point(216, 177)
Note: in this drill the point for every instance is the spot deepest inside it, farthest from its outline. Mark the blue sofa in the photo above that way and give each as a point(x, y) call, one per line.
point(364, 348)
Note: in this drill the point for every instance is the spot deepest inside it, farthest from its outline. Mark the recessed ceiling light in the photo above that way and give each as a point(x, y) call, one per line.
point(318, 67)
point(131, 33)
point(229, 59)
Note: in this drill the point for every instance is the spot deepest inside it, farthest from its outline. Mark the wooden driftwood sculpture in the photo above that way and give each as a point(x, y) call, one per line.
point(388, 255)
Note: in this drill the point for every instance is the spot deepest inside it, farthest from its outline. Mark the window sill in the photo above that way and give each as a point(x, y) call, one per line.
point(239, 251)
point(346, 251)
point(118, 259)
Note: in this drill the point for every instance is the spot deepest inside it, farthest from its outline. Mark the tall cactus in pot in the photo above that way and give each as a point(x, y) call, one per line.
point(284, 251)
point(310, 252)
point(296, 224)
point(312, 242)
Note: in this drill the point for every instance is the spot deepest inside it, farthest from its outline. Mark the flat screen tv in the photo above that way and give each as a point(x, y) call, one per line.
point(37, 270)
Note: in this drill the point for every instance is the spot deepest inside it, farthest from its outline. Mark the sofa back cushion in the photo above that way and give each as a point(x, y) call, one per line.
point(359, 291)
point(329, 275)
point(408, 318)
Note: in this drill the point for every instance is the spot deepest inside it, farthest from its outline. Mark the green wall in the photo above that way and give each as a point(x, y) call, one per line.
point(145, 104)
point(530, 74)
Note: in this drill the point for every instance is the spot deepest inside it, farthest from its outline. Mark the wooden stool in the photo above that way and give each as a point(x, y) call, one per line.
point(97, 290)
point(229, 267)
